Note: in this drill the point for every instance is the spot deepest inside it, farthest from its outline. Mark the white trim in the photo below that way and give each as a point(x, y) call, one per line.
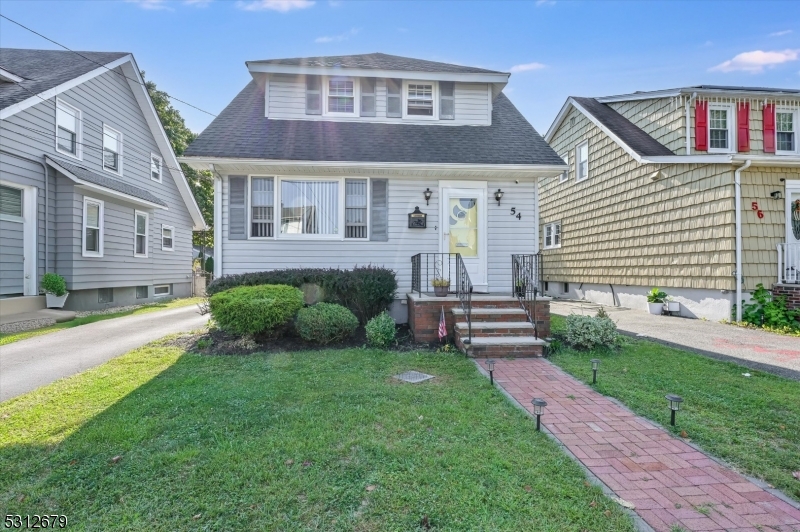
point(324, 93)
point(792, 187)
point(731, 126)
point(369, 209)
point(275, 207)
point(266, 95)
point(101, 228)
point(160, 167)
point(481, 77)
point(544, 235)
point(67, 85)
point(136, 215)
point(795, 112)
point(5, 75)
point(578, 177)
point(118, 171)
point(81, 184)
point(218, 240)
point(279, 207)
point(169, 288)
point(30, 255)
point(78, 133)
point(172, 229)
point(468, 187)
point(434, 93)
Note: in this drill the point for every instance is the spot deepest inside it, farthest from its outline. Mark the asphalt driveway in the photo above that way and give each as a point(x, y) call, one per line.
point(28, 364)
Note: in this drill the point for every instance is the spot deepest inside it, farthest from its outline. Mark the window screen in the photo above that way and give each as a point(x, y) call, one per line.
point(355, 222)
point(262, 210)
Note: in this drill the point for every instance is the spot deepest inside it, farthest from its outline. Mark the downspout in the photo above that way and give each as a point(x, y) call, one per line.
point(46, 203)
point(688, 125)
point(738, 188)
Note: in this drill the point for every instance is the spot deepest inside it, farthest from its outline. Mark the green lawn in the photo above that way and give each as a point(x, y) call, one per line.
point(322, 440)
point(751, 422)
point(7, 338)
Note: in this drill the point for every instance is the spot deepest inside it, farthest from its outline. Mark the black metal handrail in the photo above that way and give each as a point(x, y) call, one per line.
point(427, 267)
point(525, 284)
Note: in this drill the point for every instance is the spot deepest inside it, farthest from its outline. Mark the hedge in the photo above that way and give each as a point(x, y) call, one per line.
point(325, 323)
point(254, 310)
point(366, 291)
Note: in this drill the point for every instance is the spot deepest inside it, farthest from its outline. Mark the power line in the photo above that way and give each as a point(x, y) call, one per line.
point(102, 65)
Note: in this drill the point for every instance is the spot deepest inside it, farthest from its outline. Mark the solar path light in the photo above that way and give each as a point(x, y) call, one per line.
point(538, 410)
point(490, 365)
point(674, 405)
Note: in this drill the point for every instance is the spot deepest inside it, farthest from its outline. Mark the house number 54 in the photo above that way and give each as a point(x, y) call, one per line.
point(515, 214)
point(759, 212)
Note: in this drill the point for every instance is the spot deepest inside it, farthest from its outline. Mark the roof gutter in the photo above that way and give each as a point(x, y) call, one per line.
point(738, 192)
point(475, 77)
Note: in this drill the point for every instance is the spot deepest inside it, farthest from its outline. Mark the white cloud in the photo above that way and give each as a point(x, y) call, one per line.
point(780, 33)
point(755, 61)
point(281, 6)
point(527, 66)
point(337, 38)
point(152, 5)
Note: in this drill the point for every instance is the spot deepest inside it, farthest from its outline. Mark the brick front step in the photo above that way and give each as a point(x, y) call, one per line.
point(495, 328)
point(503, 347)
point(492, 314)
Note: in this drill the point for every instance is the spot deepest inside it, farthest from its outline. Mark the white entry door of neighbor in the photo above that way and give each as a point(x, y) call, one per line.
point(792, 249)
point(463, 228)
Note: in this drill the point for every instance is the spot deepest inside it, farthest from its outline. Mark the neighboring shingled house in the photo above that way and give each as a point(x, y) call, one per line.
point(651, 197)
point(323, 162)
point(89, 186)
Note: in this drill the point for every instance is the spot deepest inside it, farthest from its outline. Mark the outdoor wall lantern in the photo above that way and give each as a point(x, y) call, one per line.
point(498, 196)
point(538, 410)
point(428, 195)
point(595, 365)
point(490, 365)
point(776, 194)
point(674, 405)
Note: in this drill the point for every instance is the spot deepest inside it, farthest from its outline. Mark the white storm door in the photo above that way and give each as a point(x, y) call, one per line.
point(463, 229)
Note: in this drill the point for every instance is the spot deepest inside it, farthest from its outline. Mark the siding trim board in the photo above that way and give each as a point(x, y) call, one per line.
point(30, 284)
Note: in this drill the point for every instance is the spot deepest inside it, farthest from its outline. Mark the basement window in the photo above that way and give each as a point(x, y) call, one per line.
point(105, 295)
point(141, 292)
point(162, 290)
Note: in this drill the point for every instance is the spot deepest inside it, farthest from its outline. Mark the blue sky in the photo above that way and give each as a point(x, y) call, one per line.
point(196, 49)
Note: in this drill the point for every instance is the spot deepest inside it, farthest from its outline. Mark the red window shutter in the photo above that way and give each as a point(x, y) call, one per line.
point(743, 126)
point(701, 126)
point(769, 128)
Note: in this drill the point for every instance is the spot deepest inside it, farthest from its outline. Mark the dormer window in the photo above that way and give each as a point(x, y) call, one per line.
point(341, 96)
point(420, 99)
point(786, 130)
point(721, 128)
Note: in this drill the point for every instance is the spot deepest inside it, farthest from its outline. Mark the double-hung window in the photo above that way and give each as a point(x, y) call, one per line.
point(419, 99)
point(786, 131)
point(112, 149)
point(141, 223)
point(582, 161)
point(552, 235)
point(341, 96)
point(565, 174)
point(11, 203)
point(355, 208)
point(721, 128)
point(68, 129)
point(262, 207)
point(167, 238)
point(92, 227)
point(156, 164)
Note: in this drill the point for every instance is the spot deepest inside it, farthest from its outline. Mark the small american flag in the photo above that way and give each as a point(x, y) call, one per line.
point(442, 326)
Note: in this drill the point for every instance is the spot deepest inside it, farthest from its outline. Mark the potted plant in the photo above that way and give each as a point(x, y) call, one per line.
point(55, 290)
point(520, 288)
point(672, 305)
point(441, 286)
point(655, 301)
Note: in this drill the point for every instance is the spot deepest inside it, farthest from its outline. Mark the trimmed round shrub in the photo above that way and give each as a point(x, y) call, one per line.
point(254, 310)
point(325, 323)
point(381, 330)
point(589, 332)
point(52, 283)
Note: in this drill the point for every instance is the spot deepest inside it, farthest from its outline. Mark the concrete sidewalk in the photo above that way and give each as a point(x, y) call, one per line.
point(28, 364)
point(755, 349)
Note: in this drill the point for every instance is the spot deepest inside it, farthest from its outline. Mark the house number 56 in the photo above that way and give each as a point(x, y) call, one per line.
point(517, 215)
point(759, 212)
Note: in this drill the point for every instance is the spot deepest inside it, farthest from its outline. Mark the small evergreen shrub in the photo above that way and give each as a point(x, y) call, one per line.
point(324, 323)
point(254, 310)
point(588, 332)
point(381, 330)
point(769, 311)
point(52, 283)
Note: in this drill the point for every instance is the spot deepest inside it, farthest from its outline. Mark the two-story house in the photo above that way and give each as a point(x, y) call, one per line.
point(89, 185)
point(375, 159)
point(695, 190)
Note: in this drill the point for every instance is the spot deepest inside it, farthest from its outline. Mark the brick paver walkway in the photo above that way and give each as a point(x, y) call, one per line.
point(670, 483)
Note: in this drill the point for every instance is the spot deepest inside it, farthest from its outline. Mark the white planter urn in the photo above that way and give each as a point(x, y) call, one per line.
point(655, 308)
point(54, 301)
point(673, 306)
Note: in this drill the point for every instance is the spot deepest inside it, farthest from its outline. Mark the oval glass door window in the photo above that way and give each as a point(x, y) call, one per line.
point(464, 226)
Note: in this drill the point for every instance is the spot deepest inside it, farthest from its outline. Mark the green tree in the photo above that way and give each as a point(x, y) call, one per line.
point(180, 136)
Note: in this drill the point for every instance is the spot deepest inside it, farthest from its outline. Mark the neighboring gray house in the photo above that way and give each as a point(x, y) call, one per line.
point(89, 186)
point(322, 161)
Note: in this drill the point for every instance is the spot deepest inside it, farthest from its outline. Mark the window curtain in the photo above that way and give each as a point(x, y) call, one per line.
point(310, 207)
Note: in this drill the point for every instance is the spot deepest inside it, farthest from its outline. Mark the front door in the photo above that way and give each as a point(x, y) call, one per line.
point(463, 229)
point(791, 252)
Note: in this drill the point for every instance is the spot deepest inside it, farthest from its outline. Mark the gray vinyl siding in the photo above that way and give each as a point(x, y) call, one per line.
point(506, 235)
point(287, 101)
point(11, 258)
point(107, 99)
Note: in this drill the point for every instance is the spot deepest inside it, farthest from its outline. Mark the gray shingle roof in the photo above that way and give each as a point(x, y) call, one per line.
point(44, 69)
point(242, 131)
point(106, 182)
point(734, 88)
point(627, 131)
point(377, 61)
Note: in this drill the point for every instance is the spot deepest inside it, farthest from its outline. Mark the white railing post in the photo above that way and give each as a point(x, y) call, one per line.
point(780, 263)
